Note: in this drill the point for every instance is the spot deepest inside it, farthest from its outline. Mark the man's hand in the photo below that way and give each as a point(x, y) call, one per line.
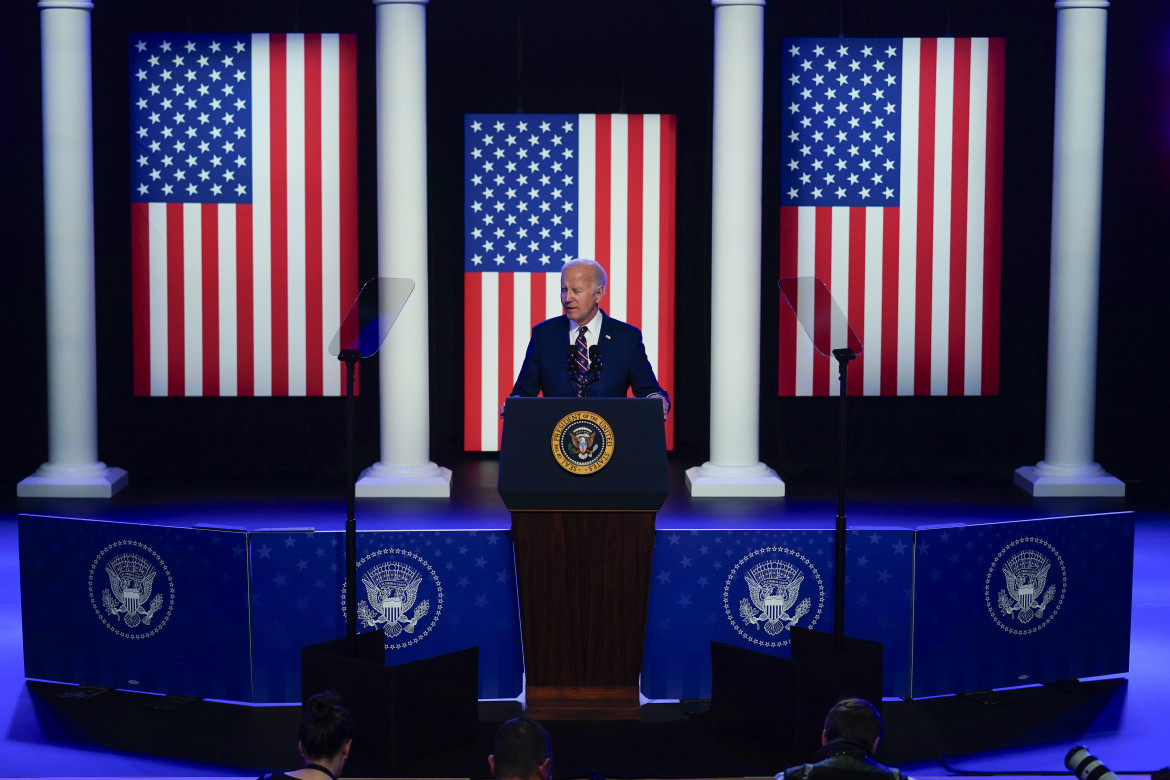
point(505, 403)
point(660, 397)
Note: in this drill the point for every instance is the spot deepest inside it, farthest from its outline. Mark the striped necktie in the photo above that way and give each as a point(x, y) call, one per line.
point(582, 360)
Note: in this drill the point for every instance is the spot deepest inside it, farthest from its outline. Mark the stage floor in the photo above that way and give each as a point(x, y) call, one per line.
point(1120, 724)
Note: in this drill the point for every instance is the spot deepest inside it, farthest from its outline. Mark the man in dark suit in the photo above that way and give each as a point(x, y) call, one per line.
point(607, 356)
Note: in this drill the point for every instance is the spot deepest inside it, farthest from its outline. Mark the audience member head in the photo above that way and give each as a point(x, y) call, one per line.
point(853, 720)
point(521, 750)
point(326, 730)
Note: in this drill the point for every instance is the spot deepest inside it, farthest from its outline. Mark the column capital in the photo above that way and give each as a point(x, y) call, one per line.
point(1069, 5)
point(401, 2)
point(718, 3)
point(76, 5)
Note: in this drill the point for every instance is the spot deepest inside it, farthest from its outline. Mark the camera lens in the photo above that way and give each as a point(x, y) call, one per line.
point(1085, 766)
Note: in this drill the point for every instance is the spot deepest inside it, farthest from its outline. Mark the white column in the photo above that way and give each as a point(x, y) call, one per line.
point(1068, 468)
point(405, 468)
point(73, 469)
point(737, 159)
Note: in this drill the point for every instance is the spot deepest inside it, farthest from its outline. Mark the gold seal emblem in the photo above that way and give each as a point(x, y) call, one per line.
point(582, 442)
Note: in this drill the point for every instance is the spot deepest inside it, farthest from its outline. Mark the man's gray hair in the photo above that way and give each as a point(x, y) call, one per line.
point(599, 278)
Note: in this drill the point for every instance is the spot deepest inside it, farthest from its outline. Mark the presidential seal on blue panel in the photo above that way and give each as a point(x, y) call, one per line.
point(582, 442)
point(403, 596)
point(137, 602)
point(1023, 591)
point(771, 590)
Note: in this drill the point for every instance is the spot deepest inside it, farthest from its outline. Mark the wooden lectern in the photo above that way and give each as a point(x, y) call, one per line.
point(583, 478)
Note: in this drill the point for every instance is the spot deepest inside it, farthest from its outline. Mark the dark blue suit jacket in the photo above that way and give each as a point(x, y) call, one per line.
point(619, 348)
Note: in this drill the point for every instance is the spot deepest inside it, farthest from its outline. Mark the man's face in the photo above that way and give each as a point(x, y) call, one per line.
point(578, 298)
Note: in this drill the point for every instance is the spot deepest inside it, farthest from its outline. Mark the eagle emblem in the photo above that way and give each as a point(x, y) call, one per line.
point(129, 596)
point(391, 590)
point(1026, 574)
point(584, 439)
point(773, 587)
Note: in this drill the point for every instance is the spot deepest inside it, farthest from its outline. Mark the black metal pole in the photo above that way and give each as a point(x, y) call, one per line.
point(843, 356)
point(350, 356)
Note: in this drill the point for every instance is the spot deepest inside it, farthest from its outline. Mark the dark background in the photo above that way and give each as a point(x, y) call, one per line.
point(636, 56)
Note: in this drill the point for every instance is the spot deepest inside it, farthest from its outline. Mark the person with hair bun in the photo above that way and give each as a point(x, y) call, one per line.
point(323, 738)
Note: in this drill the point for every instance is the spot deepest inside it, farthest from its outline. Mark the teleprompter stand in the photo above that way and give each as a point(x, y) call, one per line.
point(411, 709)
point(832, 336)
point(766, 700)
point(360, 335)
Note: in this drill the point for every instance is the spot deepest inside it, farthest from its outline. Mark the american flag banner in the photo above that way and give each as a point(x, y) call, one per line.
point(541, 189)
point(243, 211)
point(891, 191)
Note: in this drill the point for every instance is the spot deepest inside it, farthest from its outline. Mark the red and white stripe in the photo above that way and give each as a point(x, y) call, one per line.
point(242, 300)
point(626, 223)
point(919, 283)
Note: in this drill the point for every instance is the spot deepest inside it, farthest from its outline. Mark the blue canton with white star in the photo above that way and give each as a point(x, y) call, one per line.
point(190, 118)
point(520, 191)
point(841, 106)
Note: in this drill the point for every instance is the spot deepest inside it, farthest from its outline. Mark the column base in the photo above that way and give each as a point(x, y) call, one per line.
point(95, 480)
point(710, 480)
point(423, 481)
point(1046, 480)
